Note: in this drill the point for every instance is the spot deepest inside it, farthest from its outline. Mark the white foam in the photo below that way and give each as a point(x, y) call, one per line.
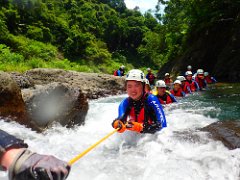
point(180, 151)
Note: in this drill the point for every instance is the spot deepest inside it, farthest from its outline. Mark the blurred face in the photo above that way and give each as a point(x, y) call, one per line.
point(201, 76)
point(134, 89)
point(176, 87)
point(189, 77)
point(167, 77)
point(161, 91)
point(183, 83)
point(147, 88)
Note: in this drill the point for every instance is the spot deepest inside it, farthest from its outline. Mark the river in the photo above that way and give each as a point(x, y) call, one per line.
point(179, 152)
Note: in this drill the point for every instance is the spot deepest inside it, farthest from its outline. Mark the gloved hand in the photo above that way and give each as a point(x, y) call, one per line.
point(153, 128)
point(134, 126)
point(29, 165)
point(119, 124)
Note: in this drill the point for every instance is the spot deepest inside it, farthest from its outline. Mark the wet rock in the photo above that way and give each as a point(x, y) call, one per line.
point(226, 131)
point(12, 106)
point(56, 102)
point(92, 84)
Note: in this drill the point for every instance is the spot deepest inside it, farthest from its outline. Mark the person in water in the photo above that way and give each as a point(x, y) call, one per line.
point(22, 164)
point(168, 80)
point(147, 86)
point(163, 96)
point(190, 82)
point(200, 79)
point(150, 77)
point(177, 89)
point(140, 112)
point(185, 86)
point(120, 71)
point(209, 79)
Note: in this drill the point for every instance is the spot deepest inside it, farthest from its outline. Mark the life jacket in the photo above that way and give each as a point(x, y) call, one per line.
point(151, 78)
point(167, 81)
point(185, 89)
point(192, 85)
point(165, 99)
point(200, 83)
point(178, 93)
point(208, 79)
point(115, 73)
point(144, 115)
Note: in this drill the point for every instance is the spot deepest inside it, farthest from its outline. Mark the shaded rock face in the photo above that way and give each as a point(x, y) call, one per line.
point(56, 102)
point(11, 102)
point(226, 131)
point(215, 48)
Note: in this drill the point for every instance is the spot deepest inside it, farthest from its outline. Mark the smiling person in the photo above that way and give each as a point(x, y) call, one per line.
point(140, 112)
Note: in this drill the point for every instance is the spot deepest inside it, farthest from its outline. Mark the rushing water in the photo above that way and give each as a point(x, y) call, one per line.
point(179, 152)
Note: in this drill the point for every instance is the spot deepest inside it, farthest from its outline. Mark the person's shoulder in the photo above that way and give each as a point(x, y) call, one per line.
point(151, 97)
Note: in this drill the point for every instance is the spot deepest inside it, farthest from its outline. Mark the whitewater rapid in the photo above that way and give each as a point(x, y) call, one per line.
point(178, 152)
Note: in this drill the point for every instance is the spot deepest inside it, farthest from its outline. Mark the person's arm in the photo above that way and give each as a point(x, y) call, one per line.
point(119, 73)
point(214, 80)
point(24, 164)
point(121, 120)
point(196, 85)
point(122, 110)
point(189, 90)
point(172, 97)
point(158, 110)
point(183, 94)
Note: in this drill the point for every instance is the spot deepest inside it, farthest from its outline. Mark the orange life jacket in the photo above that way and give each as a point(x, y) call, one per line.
point(141, 117)
point(191, 85)
point(208, 79)
point(200, 82)
point(167, 81)
point(178, 93)
point(165, 99)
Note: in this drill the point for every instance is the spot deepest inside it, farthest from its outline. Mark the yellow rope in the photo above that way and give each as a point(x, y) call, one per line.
point(72, 161)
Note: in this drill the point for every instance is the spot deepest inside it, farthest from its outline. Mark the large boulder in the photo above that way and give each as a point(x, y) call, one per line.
point(93, 85)
point(56, 102)
point(226, 131)
point(11, 103)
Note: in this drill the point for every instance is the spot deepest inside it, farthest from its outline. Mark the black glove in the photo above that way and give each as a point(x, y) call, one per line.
point(152, 128)
point(28, 166)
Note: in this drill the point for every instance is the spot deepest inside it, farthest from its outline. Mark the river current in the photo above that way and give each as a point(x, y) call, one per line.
point(179, 152)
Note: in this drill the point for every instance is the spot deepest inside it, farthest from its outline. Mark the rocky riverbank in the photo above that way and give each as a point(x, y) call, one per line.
point(40, 97)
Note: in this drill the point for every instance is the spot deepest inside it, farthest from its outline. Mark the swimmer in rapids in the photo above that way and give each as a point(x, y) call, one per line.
point(140, 112)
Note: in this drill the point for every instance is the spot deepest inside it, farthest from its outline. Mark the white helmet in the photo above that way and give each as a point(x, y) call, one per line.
point(167, 74)
point(188, 73)
point(135, 75)
point(148, 69)
point(160, 83)
point(189, 67)
point(177, 82)
point(206, 73)
point(200, 71)
point(147, 81)
point(122, 67)
point(181, 78)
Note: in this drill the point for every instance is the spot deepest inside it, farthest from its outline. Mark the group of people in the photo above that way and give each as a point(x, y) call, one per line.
point(142, 111)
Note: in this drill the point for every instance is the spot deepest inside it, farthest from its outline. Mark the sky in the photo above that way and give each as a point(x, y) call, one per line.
point(144, 5)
